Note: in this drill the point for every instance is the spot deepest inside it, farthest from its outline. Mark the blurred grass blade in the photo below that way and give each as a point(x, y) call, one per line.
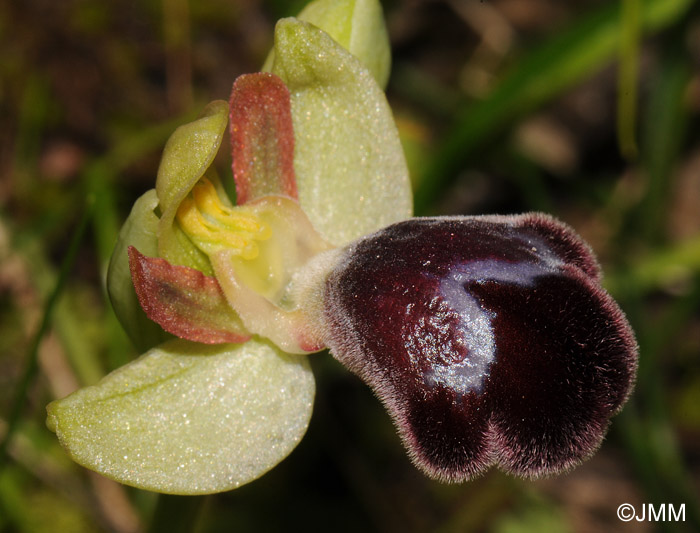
point(628, 78)
point(567, 58)
point(665, 131)
point(662, 267)
point(31, 364)
point(646, 425)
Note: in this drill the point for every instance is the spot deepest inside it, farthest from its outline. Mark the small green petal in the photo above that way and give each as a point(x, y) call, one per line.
point(358, 26)
point(188, 154)
point(351, 172)
point(190, 419)
point(139, 230)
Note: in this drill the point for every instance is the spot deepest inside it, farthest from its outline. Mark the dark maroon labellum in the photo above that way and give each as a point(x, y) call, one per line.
point(489, 340)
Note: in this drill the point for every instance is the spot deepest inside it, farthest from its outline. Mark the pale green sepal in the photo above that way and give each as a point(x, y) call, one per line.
point(186, 418)
point(187, 155)
point(358, 26)
point(139, 230)
point(351, 172)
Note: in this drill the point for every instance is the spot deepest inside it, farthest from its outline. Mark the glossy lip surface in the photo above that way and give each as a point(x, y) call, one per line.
point(495, 345)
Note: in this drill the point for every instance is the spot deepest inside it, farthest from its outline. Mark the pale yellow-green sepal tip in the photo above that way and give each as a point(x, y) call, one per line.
point(358, 26)
point(190, 419)
point(351, 172)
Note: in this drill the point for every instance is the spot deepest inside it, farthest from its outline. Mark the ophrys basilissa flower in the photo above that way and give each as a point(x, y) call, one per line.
point(489, 339)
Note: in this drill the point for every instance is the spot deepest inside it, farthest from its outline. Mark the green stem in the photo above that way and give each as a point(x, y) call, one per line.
point(176, 514)
point(31, 364)
point(628, 78)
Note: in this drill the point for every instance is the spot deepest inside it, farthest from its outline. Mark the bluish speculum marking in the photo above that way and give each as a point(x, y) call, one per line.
point(457, 338)
point(454, 343)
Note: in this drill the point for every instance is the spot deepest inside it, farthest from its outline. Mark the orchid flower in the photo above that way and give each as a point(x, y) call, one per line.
point(489, 338)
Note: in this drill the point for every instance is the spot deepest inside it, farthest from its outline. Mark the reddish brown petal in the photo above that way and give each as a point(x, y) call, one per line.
point(262, 137)
point(184, 301)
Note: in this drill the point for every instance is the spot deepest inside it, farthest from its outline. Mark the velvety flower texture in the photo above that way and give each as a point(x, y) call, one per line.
point(496, 345)
point(489, 339)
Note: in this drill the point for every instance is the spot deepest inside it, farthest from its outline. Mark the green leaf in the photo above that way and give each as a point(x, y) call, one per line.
point(358, 26)
point(188, 154)
point(139, 230)
point(187, 418)
point(351, 173)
